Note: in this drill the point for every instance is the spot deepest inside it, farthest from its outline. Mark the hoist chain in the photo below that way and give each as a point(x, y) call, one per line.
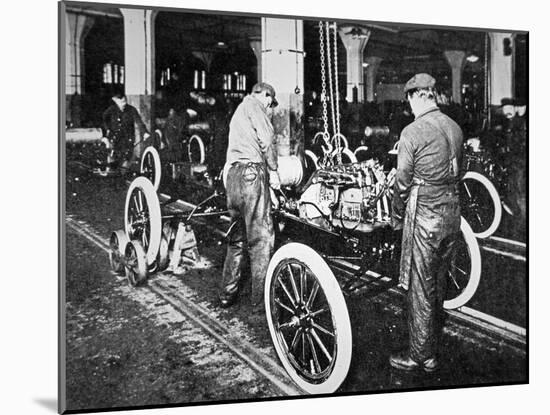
point(331, 90)
point(323, 80)
point(337, 91)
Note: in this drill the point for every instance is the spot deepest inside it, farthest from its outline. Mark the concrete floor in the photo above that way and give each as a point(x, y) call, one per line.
point(123, 351)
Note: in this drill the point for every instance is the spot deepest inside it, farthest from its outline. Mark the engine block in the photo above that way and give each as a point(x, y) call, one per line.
point(352, 196)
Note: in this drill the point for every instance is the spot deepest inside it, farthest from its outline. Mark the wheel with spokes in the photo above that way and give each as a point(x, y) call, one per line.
point(136, 263)
point(196, 149)
point(480, 204)
point(464, 270)
point(150, 166)
point(142, 217)
point(308, 319)
point(117, 244)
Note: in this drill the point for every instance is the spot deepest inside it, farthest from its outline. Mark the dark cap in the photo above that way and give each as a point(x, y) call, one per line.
point(420, 80)
point(263, 86)
point(507, 101)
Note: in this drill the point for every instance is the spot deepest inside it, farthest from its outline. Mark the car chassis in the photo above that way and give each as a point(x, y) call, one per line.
point(304, 300)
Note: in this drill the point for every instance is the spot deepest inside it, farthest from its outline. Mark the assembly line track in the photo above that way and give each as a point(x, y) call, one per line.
point(256, 359)
point(484, 323)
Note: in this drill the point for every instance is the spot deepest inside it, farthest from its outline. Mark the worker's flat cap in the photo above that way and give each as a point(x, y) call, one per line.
point(264, 86)
point(420, 80)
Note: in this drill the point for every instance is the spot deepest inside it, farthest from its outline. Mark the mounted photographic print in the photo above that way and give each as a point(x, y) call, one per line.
point(259, 207)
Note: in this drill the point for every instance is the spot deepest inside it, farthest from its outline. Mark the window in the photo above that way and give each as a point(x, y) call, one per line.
point(113, 73)
point(199, 81)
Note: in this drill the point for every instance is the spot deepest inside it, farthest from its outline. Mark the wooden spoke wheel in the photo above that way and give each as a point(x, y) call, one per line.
point(142, 217)
point(150, 166)
point(308, 319)
point(480, 204)
point(464, 269)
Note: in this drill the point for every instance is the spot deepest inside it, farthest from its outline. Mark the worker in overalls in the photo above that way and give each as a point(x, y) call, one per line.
point(426, 206)
point(119, 121)
point(250, 168)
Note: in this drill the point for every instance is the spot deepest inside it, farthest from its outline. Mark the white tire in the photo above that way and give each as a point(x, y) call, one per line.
point(142, 217)
point(465, 270)
point(482, 208)
point(150, 166)
point(202, 151)
point(310, 312)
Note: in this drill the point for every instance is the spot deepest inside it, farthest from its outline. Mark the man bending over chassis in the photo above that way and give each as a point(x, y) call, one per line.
point(251, 165)
point(426, 196)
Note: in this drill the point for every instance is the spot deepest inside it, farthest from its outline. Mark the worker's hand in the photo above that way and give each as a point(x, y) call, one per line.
point(274, 179)
point(396, 223)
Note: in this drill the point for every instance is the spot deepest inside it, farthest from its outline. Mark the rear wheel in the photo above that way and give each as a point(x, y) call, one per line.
point(150, 166)
point(480, 204)
point(196, 150)
point(464, 270)
point(308, 319)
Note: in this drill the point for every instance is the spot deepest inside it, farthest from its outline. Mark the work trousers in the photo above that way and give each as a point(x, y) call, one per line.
point(434, 238)
point(249, 204)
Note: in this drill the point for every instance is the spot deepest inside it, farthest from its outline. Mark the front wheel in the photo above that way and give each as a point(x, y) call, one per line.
point(308, 319)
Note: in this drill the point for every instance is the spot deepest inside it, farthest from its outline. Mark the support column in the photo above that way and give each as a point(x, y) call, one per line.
point(77, 28)
point(373, 62)
point(501, 79)
point(256, 45)
point(139, 60)
point(282, 66)
point(457, 60)
point(355, 39)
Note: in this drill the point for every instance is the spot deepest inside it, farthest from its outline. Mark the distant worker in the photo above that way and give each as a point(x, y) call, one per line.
point(119, 122)
point(426, 206)
point(251, 166)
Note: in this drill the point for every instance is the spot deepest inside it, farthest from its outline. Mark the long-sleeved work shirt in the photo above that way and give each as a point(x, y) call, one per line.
point(251, 137)
point(120, 124)
point(424, 154)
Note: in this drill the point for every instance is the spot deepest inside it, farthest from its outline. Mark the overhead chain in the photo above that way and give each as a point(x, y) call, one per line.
point(329, 64)
point(337, 130)
point(323, 78)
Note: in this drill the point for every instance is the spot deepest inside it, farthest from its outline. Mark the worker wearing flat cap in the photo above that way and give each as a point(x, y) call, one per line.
point(426, 206)
point(250, 168)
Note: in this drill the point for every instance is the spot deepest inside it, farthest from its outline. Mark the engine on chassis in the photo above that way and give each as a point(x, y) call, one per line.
point(354, 197)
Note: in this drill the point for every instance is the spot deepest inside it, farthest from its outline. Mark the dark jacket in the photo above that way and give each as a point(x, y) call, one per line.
point(120, 125)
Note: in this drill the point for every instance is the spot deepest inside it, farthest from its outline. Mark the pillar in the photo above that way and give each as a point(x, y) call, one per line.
point(457, 60)
point(256, 45)
point(501, 79)
point(77, 28)
point(373, 62)
point(355, 43)
point(139, 60)
point(282, 65)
